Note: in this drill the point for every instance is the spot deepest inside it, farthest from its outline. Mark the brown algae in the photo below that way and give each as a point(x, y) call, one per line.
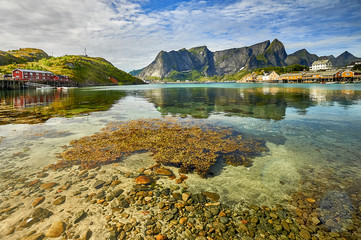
point(189, 147)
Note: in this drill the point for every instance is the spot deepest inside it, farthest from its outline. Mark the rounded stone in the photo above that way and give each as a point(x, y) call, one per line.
point(143, 179)
point(305, 234)
point(164, 172)
point(48, 185)
point(55, 230)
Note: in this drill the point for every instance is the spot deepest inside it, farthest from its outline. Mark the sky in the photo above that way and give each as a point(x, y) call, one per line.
point(130, 33)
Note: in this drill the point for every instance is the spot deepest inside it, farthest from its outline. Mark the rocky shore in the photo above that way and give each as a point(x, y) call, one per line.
point(136, 199)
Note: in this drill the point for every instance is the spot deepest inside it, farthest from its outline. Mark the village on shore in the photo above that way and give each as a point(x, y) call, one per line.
point(21, 78)
point(321, 71)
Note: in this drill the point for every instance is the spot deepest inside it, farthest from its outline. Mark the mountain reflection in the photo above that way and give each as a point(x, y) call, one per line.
point(261, 102)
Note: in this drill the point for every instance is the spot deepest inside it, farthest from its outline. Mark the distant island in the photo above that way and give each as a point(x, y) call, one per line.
point(84, 70)
point(200, 64)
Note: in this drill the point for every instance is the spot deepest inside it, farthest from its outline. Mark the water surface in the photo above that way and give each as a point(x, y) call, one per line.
point(312, 131)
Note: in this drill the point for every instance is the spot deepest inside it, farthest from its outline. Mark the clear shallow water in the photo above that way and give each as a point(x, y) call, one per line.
point(312, 131)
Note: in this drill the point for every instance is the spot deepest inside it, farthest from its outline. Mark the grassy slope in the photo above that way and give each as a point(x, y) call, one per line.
point(81, 69)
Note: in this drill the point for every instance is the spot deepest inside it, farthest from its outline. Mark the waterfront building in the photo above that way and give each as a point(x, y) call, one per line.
point(291, 77)
point(274, 77)
point(61, 78)
point(32, 75)
point(321, 65)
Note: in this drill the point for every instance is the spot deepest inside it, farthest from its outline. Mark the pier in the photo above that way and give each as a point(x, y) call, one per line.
point(10, 83)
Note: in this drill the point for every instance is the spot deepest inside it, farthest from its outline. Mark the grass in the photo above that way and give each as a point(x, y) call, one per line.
point(81, 69)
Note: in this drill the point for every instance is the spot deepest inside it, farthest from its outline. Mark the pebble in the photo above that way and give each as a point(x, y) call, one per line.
point(164, 172)
point(161, 237)
point(79, 216)
point(212, 196)
point(41, 213)
point(27, 222)
point(273, 215)
point(183, 220)
point(37, 236)
point(220, 226)
point(48, 185)
point(185, 196)
point(38, 200)
point(17, 193)
point(224, 220)
point(117, 192)
point(98, 184)
point(143, 179)
point(11, 230)
point(55, 230)
point(315, 220)
point(32, 183)
point(86, 235)
point(115, 183)
point(42, 175)
point(59, 200)
point(305, 234)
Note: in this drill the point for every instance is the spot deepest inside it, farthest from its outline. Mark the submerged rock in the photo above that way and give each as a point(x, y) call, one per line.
point(164, 172)
point(48, 185)
point(41, 213)
point(59, 200)
point(98, 184)
point(143, 179)
point(212, 196)
point(79, 216)
point(55, 230)
point(38, 200)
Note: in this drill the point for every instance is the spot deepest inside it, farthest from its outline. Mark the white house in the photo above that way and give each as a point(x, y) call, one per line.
point(321, 65)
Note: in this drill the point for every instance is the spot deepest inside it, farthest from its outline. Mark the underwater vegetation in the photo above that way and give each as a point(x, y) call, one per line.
point(189, 146)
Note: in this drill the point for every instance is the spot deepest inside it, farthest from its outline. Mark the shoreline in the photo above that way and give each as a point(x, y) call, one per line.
point(110, 202)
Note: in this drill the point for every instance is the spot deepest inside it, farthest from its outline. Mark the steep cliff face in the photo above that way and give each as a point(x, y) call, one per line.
point(302, 57)
point(216, 63)
point(198, 58)
point(276, 54)
point(230, 61)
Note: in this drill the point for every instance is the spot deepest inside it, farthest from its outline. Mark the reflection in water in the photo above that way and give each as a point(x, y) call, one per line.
point(262, 103)
point(34, 106)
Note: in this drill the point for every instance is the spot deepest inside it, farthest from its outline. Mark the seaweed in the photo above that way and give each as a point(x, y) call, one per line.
point(190, 147)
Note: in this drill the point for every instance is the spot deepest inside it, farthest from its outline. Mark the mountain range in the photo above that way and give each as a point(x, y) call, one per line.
point(207, 63)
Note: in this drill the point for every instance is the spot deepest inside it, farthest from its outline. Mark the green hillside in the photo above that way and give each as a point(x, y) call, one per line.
point(82, 69)
point(22, 55)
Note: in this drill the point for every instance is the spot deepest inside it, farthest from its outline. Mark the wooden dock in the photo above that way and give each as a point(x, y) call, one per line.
point(9, 84)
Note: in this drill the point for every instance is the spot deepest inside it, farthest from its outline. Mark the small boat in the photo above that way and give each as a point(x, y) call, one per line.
point(44, 88)
point(330, 82)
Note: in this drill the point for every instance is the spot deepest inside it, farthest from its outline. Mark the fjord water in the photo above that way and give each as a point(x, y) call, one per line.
point(312, 131)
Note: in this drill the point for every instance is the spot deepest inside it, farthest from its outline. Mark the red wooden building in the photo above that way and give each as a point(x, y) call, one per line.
point(61, 78)
point(32, 75)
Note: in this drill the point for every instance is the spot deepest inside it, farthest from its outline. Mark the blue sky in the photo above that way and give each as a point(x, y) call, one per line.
point(130, 33)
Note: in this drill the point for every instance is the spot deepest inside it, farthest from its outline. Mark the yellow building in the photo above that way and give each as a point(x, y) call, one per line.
point(291, 77)
point(274, 77)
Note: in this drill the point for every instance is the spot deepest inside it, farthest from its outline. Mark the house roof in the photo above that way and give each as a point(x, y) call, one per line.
point(291, 74)
point(32, 71)
point(320, 62)
point(323, 73)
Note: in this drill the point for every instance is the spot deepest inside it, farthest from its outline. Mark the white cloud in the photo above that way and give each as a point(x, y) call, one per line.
point(129, 37)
